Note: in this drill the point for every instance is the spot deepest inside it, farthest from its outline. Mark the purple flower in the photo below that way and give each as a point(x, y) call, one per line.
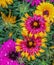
point(35, 2)
point(51, 0)
point(8, 55)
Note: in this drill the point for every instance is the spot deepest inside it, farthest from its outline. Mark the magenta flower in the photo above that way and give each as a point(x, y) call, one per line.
point(52, 1)
point(29, 47)
point(35, 2)
point(35, 24)
point(8, 55)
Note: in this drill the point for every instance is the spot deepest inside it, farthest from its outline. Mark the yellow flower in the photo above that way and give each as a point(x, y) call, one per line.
point(46, 9)
point(4, 3)
point(9, 18)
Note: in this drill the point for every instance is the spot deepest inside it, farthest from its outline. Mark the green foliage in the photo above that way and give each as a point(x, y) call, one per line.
point(18, 9)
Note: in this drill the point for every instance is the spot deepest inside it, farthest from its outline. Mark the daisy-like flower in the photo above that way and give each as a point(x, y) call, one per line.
point(35, 24)
point(46, 9)
point(9, 18)
point(8, 54)
point(4, 3)
point(35, 2)
point(30, 47)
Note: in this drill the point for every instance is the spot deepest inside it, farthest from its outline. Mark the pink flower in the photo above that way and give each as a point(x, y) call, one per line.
point(33, 48)
point(8, 55)
point(52, 1)
point(35, 24)
point(29, 46)
point(35, 2)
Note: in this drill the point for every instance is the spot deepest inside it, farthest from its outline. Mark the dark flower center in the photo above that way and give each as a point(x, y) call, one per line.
point(30, 44)
point(35, 24)
point(13, 55)
point(46, 12)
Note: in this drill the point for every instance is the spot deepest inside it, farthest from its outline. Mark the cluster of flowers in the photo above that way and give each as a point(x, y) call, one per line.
point(34, 31)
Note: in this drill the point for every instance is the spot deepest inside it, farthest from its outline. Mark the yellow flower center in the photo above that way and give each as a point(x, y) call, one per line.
point(30, 44)
point(35, 24)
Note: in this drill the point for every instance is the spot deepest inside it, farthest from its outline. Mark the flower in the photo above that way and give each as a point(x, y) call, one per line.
point(35, 2)
point(52, 1)
point(9, 18)
point(45, 9)
point(30, 47)
point(35, 25)
point(4, 3)
point(8, 54)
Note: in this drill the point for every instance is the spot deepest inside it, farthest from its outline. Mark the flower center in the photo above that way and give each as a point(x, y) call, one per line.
point(35, 24)
point(13, 55)
point(30, 44)
point(46, 12)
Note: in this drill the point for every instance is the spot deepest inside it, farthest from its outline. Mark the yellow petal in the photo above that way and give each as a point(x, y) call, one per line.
point(24, 32)
point(41, 50)
point(18, 48)
point(44, 45)
point(37, 12)
point(30, 34)
point(23, 19)
point(22, 24)
point(45, 34)
point(38, 54)
point(23, 54)
point(18, 41)
point(33, 57)
point(26, 15)
point(44, 40)
point(42, 34)
point(26, 54)
point(36, 35)
point(28, 58)
point(47, 29)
